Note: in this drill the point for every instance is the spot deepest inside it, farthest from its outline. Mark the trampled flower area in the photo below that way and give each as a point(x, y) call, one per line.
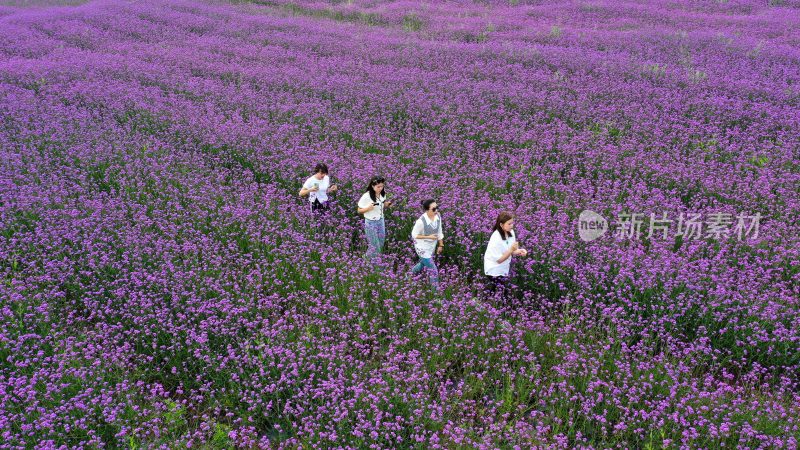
point(163, 285)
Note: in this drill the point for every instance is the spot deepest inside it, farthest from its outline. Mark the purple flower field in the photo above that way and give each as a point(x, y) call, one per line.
point(162, 285)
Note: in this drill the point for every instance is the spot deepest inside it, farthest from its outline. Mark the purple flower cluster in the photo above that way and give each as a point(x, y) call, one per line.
point(162, 285)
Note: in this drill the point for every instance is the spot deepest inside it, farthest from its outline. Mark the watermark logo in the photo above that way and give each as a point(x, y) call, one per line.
point(689, 226)
point(591, 225)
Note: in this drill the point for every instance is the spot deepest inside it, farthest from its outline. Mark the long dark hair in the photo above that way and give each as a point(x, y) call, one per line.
point(502, 218)
point(377, 179)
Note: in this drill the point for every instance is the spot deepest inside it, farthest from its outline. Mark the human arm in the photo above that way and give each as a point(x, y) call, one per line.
point(519, 251)
point(366, 209)
point(304, 191)
point(330, 187)
point(365, 205)
point(416, 232)
point(507, 254)
point(307, 188)
point(440, 248)
point(496, 252)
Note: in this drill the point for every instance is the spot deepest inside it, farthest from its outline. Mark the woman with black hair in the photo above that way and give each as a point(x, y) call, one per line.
point(317, 188)
point(497, 259)
point(426, 232)
point(372, 205)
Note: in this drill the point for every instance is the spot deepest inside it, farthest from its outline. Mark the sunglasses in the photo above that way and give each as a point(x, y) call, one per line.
point(377, 181)
point(435, 208)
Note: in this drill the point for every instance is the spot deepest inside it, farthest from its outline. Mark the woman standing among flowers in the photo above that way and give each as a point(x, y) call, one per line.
point(372, 205)
point(427, 230)
point(317, 188)
point(497, 259)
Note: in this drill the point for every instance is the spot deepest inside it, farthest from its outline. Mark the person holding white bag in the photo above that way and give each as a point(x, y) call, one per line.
point(426, 232)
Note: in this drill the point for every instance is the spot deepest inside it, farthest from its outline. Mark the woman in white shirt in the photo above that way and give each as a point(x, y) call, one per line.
point(317, 188)
point(371, 205)
point(497, 259)
point(427, 230)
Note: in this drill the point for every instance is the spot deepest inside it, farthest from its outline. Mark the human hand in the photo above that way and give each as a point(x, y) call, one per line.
point(333, 188)
point(439, 250)
point(515, 246)
point(521, 252)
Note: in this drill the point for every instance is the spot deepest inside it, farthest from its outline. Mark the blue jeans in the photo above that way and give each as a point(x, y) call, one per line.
point(376, 236)
point(430, 266)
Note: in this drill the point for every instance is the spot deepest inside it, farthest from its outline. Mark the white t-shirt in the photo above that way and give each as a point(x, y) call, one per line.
point(425, 247)
point(322, 193)
point(376, 212)
point(494, 251)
